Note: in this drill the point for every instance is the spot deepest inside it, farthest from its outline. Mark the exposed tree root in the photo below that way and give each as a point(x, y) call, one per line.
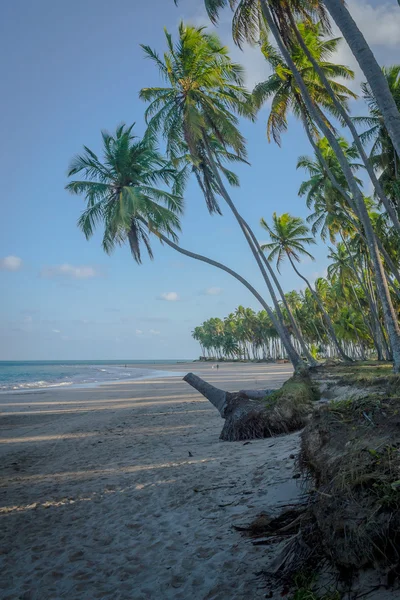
point(276, 412)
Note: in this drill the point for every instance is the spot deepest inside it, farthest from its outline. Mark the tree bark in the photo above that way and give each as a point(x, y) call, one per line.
point(294, 357)
point(297, 333)
point(369, 66)
point(248, 419)
point(367, 163)
point(256, 251)
point(217, 397)
point(390, 316)
point(327, 318)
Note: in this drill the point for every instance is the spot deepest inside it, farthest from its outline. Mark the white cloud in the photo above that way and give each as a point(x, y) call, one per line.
point(56, 331)
point(139, 332)
point(154, 332)
point(380, 26)
point(317, 274)
point(169, 296)
point(10, 263)
point(67, 270)
point(213, 291)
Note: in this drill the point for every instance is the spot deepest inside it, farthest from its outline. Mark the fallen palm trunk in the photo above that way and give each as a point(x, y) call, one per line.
point(252, 414)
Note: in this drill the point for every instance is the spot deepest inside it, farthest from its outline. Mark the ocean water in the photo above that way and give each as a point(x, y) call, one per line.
point(26, 375)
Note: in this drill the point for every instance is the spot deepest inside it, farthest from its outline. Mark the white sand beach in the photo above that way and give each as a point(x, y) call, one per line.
point(124, 491)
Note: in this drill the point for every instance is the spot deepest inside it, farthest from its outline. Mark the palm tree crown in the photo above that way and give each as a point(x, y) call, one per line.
point(288, 235)
point(122, 192)
point(330, 210)
point(198, 107)
point(283, 90)
point(248, 21)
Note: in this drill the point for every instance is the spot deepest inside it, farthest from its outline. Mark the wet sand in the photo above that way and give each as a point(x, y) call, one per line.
point(124, 491)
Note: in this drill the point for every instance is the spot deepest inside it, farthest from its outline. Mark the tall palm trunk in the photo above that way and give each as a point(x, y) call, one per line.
point(373, 332)
point(367, 284)
point(389, 313)
point(369, 66)
point(297, 332)
point(342, 111)
point(327, 318)
point(348, 199)
point(255, 249)
point(351, 203)
point(379, 338)
point(294, 357)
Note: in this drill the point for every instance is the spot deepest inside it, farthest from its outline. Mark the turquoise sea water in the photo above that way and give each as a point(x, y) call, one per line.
point(20, 375)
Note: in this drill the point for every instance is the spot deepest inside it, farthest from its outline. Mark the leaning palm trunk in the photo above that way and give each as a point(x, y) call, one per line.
point(389, 313)
point(375, 330)
point(256, 251)
point(373, 308)
point(343, 113)
point(350, 202)
point(369, 66)
point(294, 357)
point(327, 318)
point(392, 267)
point(297, 333)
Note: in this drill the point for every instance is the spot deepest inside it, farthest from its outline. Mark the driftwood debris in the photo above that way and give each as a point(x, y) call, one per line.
point(252, 414)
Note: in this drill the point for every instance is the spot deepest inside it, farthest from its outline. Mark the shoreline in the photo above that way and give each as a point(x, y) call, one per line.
point(125, 491)
point(157, 373)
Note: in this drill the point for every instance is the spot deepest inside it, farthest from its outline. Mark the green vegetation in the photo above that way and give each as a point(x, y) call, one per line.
point(351, 447)
point(195, 115)
point(305, 589)
point(298, 390)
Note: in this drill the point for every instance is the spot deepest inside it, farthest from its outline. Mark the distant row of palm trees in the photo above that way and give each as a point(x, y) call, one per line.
point(195, 113)
point(337, 315)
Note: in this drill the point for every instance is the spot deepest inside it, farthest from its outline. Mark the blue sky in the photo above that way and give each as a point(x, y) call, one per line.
point(68, 71)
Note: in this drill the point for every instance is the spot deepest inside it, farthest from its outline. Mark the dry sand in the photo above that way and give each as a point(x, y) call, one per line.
point(124, 491)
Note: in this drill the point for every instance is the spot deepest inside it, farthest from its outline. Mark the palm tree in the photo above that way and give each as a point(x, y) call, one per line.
point(383, 154)
point(122, 191)
point(343, 269)
point(281, 86)
point(275, 15)
point(371, 69)
point(288, 236)
point(200, 102)
point(330, 209)
point(281, 17)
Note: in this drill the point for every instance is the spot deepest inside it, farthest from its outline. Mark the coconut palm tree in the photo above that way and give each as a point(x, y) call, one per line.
point(330, 209)
point(289, 235)
point(281, 17)
point(281, 87)
point(370, 67)
point(274, 13)
point(343, 269)
point(201, 101)
point(123, 192)
point(383, 154)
